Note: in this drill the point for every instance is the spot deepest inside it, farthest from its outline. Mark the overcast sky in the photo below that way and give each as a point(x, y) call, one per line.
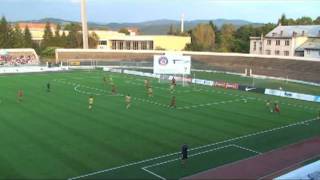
point(142, 10)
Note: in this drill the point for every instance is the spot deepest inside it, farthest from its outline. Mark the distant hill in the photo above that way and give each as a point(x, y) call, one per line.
point(151, 27)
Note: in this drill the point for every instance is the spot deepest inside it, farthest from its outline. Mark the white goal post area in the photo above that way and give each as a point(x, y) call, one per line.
point(171, 66)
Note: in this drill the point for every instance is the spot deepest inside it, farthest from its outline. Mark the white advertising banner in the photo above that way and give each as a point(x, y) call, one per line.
point(293, 95)
point(171, 64)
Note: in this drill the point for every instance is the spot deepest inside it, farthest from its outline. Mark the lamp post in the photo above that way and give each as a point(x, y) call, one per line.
point(84, 24)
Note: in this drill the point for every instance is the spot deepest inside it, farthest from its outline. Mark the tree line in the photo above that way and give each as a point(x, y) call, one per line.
point(70, 36)
point(205, 37)
point(208, 37)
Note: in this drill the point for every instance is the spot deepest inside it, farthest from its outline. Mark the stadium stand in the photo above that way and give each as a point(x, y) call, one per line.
point(284, 67)
point(17, 57)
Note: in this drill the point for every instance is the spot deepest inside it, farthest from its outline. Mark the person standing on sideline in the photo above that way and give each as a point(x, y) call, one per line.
point(184, 154)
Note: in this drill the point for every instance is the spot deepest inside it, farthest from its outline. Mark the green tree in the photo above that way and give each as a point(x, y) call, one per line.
point(304, 21)
point(202, 38)
point(72, 26)
point(63, 39)
point(47, 36)
point(17, 37)
point(57, 37)
point(227, 38)
point(27, 38)
point(283, 20)
point(291, 21)
point(5, 34)
point(73, 39)
point(124, 30)
point(213, 26)
point(93, 40)
point(317, 21)
point(242, 38)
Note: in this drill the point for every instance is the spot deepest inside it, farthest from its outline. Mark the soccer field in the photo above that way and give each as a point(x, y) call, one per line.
point(54, 135)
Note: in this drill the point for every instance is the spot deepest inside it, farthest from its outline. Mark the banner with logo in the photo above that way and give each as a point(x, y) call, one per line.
point(226, 85)
point(293, 95)
point(252, 89)
point(203, 82)
point(171, 64)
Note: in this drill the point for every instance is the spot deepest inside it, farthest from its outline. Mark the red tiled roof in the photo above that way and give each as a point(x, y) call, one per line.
point(37, 26)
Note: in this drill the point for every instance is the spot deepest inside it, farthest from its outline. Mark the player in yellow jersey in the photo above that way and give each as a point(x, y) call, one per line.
point(114, 89)
point(150, 92)
point(91, 100)
point(128, 101)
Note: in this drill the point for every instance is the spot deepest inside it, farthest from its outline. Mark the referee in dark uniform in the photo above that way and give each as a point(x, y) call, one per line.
point(184, 153)
point(48, 87)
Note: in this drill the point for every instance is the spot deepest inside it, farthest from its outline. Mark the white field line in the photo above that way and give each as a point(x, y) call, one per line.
point(225, 93)
point(200, 147)
point(203, 152)
point(162, 88)
point(85, 92)
point(247, 149)
point(171, 160)
point(77, 86)
point(150, 172)
point(212, 103)
point(194, 106)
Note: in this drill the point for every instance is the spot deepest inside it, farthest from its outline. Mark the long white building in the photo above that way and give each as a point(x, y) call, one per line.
point(300, 40)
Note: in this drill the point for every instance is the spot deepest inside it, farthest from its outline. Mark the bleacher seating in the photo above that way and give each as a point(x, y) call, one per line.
point(17, 57)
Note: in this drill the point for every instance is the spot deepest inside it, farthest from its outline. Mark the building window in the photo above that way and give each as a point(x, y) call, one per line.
point(277, 52)
point(144, 45)
point(286, 53)
point(254, 45)
point(308, 51)
point(277, 42)
point(151, 45)
point(268, 52)
point(128, 45)
point(103, 42)
point(135, 45)
point(287, 42)
point(120, 45)
point(269, 42)
point(114, 45)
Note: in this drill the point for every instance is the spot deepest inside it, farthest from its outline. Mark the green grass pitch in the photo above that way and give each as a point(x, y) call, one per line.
point(54, 135)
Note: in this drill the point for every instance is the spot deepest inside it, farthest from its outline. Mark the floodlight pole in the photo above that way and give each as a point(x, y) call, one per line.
point(84, 24)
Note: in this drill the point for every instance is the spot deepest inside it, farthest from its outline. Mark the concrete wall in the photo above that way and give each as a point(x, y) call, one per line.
point(291, 67)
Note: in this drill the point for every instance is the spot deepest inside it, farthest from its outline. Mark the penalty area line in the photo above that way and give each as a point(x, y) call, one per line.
point(200, 147)
point(193, 155)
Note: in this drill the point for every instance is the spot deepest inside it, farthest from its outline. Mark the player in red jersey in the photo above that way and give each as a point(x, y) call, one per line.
point(276, 108)
point(173, 81)
point(20, 95)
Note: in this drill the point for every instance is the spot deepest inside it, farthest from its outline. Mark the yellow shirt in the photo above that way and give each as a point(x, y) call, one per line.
point(90, 100)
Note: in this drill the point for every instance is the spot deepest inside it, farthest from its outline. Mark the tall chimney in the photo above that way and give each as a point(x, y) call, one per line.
point(182, 23)
point(84, 24)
